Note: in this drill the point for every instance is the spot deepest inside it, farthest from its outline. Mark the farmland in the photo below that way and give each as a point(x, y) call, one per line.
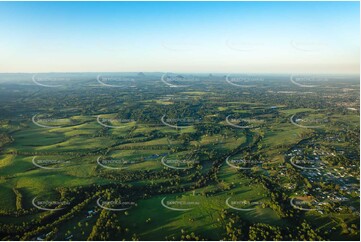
point(181, 157)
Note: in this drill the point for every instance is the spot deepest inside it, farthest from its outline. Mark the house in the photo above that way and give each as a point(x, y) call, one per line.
point(90, 213)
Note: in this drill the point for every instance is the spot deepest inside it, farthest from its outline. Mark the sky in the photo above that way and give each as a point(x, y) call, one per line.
point(214, 37)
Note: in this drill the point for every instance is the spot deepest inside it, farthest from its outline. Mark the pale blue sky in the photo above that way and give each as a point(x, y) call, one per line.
point(267, 37)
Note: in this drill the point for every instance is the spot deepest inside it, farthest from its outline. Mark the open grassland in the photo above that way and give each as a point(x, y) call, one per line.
point(113, 144)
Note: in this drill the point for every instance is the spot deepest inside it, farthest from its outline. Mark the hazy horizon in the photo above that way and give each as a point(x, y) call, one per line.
point(180, 37)
point(175, 72)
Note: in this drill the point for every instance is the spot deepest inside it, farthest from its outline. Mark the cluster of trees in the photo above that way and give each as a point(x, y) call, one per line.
point(239, 229)
point(5, 139)
point(18, 199)
point(106, 227)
